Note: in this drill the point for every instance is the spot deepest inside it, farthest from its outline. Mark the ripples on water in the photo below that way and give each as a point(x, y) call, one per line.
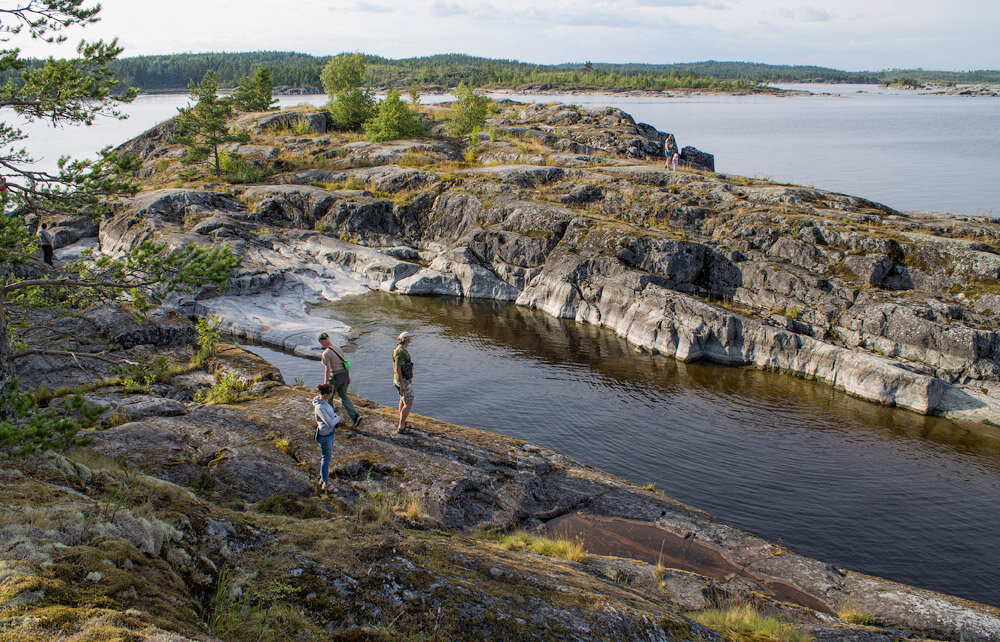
point(883, 491)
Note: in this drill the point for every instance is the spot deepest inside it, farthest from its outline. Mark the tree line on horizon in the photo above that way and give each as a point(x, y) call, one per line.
point(447, 71)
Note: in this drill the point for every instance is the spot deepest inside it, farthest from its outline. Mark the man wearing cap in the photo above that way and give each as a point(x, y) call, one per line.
point(402, 378)
point(335, 373)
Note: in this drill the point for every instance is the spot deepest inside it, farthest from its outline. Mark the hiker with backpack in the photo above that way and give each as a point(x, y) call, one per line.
point(326, 430)
point(335, 373)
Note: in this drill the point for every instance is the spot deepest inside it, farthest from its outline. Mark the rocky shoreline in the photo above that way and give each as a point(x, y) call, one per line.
point(222, 495)
point(557, 207)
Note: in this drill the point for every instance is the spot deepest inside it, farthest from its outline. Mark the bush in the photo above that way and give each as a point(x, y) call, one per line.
point(27, 430)
point(350, 109)
point(208, 336)
point(228, 388)
point(469, 112)
point(350, 104)
point(394, 119)
point(236, 170)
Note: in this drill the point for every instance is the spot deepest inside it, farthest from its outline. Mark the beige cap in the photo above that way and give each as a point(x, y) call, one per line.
point(405, 336)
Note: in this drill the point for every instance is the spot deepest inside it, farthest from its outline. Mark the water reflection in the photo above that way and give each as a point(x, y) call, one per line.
point(885, 491)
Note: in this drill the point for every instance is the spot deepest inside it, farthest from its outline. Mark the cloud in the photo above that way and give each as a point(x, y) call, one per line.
point(806, 14)
point(367, 7)
point(447, 9)
point(711, 4)
point(812, 14)
point(605, 19)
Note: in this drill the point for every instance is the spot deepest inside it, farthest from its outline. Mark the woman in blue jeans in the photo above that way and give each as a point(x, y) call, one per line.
point(326, 429)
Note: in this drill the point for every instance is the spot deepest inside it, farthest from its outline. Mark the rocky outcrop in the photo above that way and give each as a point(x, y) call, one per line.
point(178, 503)
point(888, 306)
point(302, 121)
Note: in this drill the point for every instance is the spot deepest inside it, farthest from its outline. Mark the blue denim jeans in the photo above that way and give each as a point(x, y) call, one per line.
point(326, 448)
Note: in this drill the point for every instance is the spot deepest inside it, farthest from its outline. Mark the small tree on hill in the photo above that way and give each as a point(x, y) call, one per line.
point(350, 103)
point(256, 92)
point(394, 119)
point(469, 111)
point(202, 126)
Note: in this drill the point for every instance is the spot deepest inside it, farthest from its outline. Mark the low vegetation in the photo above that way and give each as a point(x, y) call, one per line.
point(743, 623)
point(540, 545)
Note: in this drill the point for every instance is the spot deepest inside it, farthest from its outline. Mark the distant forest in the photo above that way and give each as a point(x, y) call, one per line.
point(445, 71)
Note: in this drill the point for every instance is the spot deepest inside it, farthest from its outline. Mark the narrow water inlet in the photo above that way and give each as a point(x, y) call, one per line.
point(878, 490)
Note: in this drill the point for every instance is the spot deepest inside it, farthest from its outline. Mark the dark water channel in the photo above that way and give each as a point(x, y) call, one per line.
point(882, 491)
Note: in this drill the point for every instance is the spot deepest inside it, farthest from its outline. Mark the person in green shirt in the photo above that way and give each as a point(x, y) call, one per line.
point(402, 378)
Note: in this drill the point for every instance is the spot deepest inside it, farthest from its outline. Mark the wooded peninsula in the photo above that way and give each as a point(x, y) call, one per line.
point(445, 71)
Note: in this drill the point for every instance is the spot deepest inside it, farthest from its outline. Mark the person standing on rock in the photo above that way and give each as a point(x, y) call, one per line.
point(335, 373)
point(402, 378)
point(674, 160)
point(326, 430)
point(46, 240)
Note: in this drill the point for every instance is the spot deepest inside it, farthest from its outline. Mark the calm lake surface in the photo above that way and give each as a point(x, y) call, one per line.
point(910, 150)
point(883, 491)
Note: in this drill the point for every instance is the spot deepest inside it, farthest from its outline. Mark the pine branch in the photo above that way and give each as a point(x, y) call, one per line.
point(68, 353)
point(73, 283)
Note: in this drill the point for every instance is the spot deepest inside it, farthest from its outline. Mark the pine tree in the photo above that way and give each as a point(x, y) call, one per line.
point(68, 92)
point(202, 126)
point(256, 92)
point(60, 91)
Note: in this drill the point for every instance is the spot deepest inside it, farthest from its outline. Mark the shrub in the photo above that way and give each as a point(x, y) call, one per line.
point(27, 430)
point(469, 112)
point(239, 610)
point(351, 109)
point(227, 389)
point(208, 332)
point(235, 169)
point(394, 119)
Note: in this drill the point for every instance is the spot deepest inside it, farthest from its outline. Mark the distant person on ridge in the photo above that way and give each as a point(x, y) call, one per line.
point(666, 152)
point(46, 240)
point(402, 378)
point(326, 430)
point(674, 160)
point(335, 373)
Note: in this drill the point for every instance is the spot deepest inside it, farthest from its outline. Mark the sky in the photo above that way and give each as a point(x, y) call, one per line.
point(854, 35)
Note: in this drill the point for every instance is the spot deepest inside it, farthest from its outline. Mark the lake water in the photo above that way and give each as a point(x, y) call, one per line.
point(879, 490)
point(910, 150)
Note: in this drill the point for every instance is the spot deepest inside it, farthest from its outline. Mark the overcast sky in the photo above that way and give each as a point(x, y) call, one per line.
point(845, 34)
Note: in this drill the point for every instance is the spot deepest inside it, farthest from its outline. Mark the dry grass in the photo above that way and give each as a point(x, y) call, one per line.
point(561, 548)
point(743, 623)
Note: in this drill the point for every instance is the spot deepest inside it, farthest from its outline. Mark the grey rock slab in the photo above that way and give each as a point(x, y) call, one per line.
point(136, 407)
